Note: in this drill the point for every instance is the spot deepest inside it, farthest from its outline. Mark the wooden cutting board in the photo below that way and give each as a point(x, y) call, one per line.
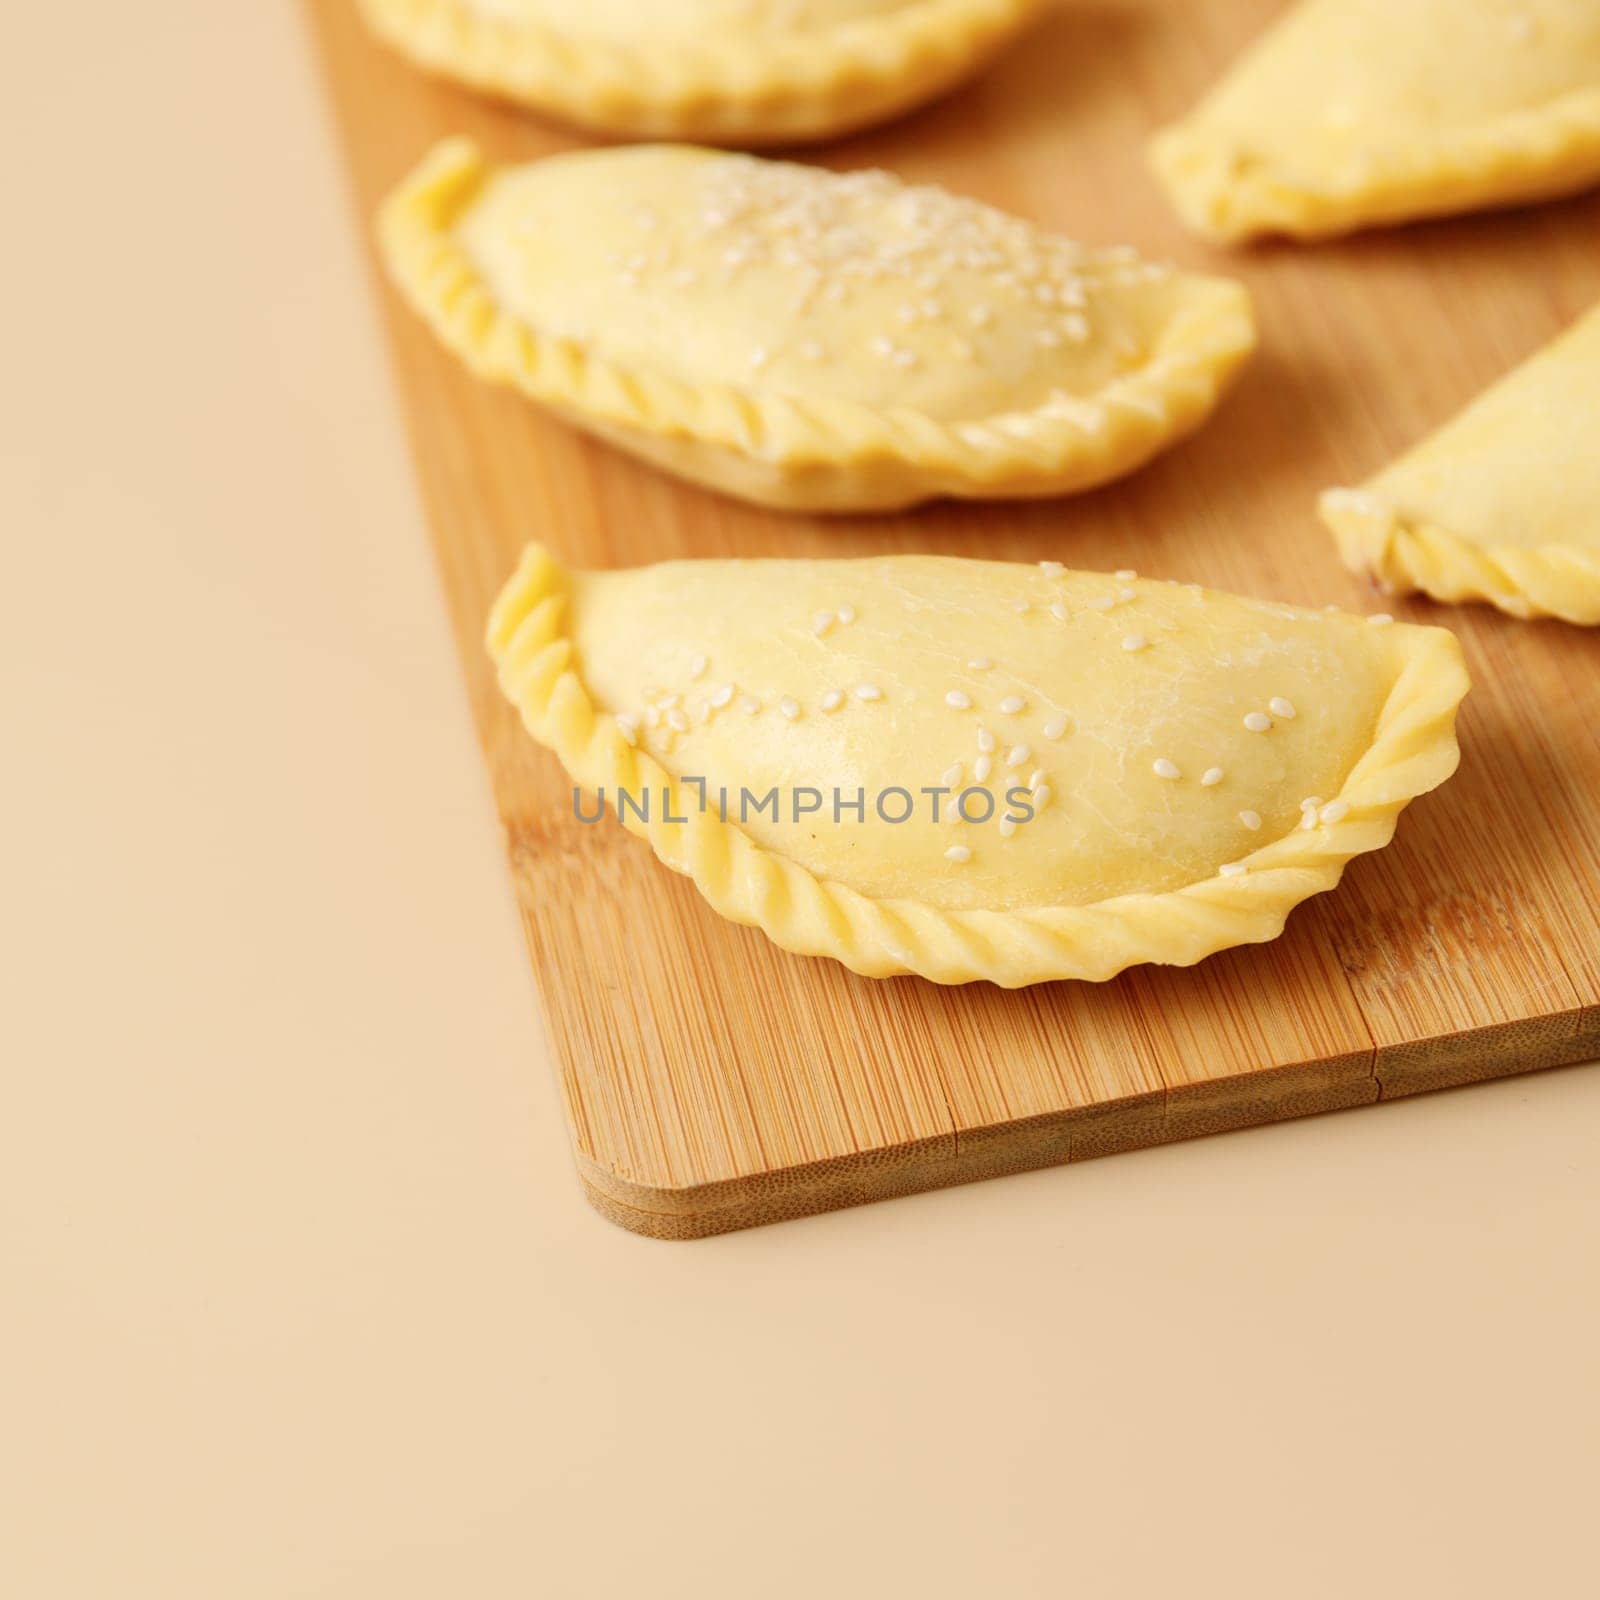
point(714, 1082)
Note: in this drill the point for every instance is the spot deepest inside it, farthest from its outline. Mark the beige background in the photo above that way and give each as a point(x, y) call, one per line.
point(298, 1296)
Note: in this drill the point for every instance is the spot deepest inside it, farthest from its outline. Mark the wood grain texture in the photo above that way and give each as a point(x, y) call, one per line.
point(714, 1082)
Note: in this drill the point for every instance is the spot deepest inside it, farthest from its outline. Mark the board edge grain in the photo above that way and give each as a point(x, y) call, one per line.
point(1141, 1122)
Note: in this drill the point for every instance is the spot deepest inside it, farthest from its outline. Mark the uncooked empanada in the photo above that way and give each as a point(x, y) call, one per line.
point(1123, 771)
point(1503, 502)
point(804, 339)
point(723, 71)
point(1350, 112)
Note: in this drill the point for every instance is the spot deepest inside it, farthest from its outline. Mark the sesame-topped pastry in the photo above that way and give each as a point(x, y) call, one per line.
point(974, 769)
point(1353, 112)
point(1503, 502)
point(722, 71)
point(804, 339)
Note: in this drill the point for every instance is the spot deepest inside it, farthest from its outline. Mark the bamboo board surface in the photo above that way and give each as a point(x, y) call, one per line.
point(713, 1081)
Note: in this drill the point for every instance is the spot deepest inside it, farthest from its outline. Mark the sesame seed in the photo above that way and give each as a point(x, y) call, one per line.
point(846, 615)
point(1058, 611)
point(1102, 602)
point(812, 350)
point(958, 853)
point(1125, 575)
point(1055, 727)
point(1258, 722)
point(1380, 620)
point(868, 691)
point(979, 664)
point(1127, 594)
point(1135, 641)
point(1012, 704)
point(1019, 606)
point(821, 623)
point(1251, 819)
point(1233, 869)
point(697, 667)
point(721, 695)
point(678, 719)
point(986, 741)
point(759, 357)
point(1211, 777)
point(749, 704)
point(1007, 827)
point(790, 707)
point(980, 316)
point(982, 767)
point(628, 727)
point(1280, 707)
point(906, 358)
point(1041, 796)
point(1164, 768)
point(1018, 754)
point(1036, 777)
point(959, 700)
point(1335, 811)
point(1051, 569)
point(952, 774)
point(832, 700)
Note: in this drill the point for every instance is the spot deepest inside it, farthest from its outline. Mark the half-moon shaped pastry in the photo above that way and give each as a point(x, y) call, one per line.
point(721, 71)
point(1353, 112)
point(804, 339)
point(1503, 502)
point(973, 769)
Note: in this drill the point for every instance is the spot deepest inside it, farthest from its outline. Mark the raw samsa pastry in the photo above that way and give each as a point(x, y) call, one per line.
point(1351, 112)
point(1502, 503)
point(724, 71)
point(803, 339)
point(970, 769)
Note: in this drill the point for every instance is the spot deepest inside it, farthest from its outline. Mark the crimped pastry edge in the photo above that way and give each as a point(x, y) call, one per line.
point(1406, 553)
point(1226, 194)
point(810, 85)
point(1413, 750)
